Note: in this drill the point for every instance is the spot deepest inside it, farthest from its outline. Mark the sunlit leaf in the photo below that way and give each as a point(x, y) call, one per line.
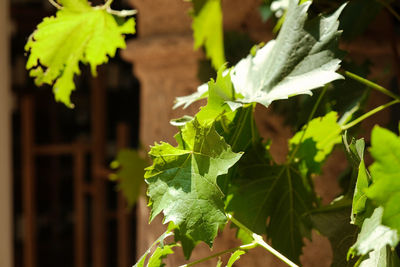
point(374, 236)
point(320, 136)
point(208, 29)
point(79, 33)
point(304, 56)
point(385, 172)
point(235, 257)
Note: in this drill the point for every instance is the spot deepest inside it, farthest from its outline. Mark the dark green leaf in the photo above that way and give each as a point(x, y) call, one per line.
point(333, 221)
point(188, 244)
point(357, 17)
point(272, 199)
point(265, 12)
point(182, 182)
point(360, 210)
point(130, 174)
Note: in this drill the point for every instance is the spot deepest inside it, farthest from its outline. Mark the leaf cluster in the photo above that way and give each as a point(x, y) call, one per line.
point(221, 169)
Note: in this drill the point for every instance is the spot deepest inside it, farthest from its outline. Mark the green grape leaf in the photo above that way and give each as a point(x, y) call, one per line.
point(130, 173)
point(384, 257)
point(159, 254)
point(385, 172)
point(208, 29)
point(78, 33)
point(360, 208)
point(320, 136)
point(219, 91)
point(355, 150)
point(185, 101)
point(273, 199)
point(180, 122)
point(304, 56)
point(243, 236)
point(333, 221)
point(219, 262)
point(142, 260)
point(374, 236)
point(159, 243)
point(236, 125)
point(360, 200)
point(188, 244)
point(182, 182)
point(235, 257)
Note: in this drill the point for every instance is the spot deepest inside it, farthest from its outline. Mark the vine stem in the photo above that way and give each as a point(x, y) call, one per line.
point(122, 13)
point(368, 114)
point(371, 85)
point(293, 154)
point(55, 4)
point(242, 247)
point(107, 4)
point(260, 241)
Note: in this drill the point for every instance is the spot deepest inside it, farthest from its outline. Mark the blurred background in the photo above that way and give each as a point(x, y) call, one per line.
point(57, 205)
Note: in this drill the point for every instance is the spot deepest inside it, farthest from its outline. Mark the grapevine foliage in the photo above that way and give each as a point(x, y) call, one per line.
point(316, 141)
point(207, 29)
point(183, 181)
point(374, 199)
point(385, 189)
point(259, 190)
point(304, 56)
point(333, 221)
point(222, 169)
point(130, 173)
point(79, 33)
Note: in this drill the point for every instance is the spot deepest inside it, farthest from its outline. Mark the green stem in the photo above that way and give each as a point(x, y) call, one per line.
point(368, 114)
point(293, 154)
point(371, 84)
point(55, 4)
point(107, 4)
point(242, 247)
point(159, 240)
point(260, 241)
point(254, 132)
point(121, 13)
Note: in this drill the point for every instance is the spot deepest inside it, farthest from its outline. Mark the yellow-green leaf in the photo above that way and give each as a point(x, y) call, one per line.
point(208, 29)
point(78, 33)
